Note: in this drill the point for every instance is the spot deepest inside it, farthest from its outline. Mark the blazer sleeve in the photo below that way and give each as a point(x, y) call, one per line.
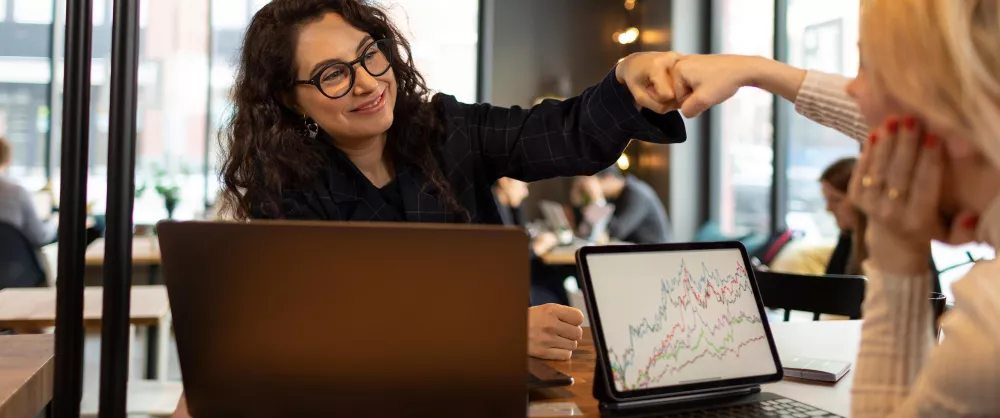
point(577, 136)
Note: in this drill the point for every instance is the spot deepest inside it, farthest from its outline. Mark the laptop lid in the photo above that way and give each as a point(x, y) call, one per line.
point(676, 319)
point(554, 215)
point(319, 319)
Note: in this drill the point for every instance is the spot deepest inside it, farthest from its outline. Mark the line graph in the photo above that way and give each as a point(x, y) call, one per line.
point(681, 317)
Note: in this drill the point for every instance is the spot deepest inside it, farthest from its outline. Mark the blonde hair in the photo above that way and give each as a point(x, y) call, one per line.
point(940, 59)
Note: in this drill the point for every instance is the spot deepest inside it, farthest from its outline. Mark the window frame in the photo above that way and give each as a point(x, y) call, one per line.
point(714, 153)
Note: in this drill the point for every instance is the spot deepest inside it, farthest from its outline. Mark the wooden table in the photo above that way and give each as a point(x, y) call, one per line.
point(35, 308)
point(561, 256)
point(145, 251)
point(566, 255)
point(835, 340)
point(27, 371)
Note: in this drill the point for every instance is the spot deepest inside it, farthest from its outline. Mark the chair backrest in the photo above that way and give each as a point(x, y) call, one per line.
point(830, 294)
point(19, 263)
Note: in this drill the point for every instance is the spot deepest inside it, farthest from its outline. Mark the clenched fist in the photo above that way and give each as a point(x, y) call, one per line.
point(553, 331)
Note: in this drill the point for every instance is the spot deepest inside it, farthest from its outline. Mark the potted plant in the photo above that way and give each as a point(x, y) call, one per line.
point(169, 191)
point(171, 196)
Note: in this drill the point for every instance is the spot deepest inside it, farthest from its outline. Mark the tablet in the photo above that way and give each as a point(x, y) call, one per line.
point(676, 319)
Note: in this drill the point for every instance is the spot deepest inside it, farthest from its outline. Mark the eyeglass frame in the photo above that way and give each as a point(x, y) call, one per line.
point(314, 81)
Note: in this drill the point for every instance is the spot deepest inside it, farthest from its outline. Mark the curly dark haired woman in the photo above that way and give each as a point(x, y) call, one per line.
point(333, 122)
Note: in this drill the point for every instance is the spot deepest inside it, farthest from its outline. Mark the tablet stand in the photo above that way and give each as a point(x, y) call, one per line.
point(611, 407)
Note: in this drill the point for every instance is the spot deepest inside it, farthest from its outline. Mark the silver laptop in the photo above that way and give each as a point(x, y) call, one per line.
point(555, 215)
point(340, 319)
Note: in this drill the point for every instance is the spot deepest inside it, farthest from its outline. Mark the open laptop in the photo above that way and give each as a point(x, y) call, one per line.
point(555, 215)
point(680, 328)
point(340, 319)
point(593, 225)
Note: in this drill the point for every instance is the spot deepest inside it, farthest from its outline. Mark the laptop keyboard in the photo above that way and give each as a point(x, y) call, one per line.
point(773, 408)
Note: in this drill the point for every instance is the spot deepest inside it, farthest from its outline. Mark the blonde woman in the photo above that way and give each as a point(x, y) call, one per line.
point(931, 72)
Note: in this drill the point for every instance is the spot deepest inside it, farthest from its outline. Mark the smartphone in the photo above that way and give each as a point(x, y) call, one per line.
point(541, 375)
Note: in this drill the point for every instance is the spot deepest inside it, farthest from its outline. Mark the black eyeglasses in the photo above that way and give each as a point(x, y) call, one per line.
point(337, 79)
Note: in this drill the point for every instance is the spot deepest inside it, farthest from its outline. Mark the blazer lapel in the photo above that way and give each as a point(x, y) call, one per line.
point(356, 195)
point(341, 193)
point(420, 196)
point(371, 206)
point(333, 194)
point(346, 194)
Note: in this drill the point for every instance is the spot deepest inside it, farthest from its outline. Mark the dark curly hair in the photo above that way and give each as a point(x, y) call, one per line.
point(264, 149)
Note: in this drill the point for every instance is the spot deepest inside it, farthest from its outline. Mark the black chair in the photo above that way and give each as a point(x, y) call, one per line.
point(19, 262)
point(831, 294)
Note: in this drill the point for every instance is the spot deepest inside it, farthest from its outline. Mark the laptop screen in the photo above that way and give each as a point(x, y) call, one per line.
point(678, 317)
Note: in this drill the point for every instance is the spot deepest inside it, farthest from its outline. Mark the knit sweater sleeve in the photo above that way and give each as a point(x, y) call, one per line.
point(823, 99)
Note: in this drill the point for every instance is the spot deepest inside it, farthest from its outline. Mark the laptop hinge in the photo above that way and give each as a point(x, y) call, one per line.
point(681, 398)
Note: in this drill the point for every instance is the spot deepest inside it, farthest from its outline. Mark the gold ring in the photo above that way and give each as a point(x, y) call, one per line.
point(867, 181)
point(893, 193)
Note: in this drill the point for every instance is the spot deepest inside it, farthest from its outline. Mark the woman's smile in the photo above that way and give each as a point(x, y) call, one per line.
point(374, 105)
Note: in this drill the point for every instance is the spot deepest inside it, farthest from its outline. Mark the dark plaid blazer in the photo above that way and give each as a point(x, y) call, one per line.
point(577, 136)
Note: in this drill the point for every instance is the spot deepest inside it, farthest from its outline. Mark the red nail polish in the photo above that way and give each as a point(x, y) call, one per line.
point(910, 122)
point(930, 141)
point(892, 126)
point(872, 138)
point(970, 222)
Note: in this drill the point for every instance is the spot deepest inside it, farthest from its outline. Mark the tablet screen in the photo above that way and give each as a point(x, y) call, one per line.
point(678, 317)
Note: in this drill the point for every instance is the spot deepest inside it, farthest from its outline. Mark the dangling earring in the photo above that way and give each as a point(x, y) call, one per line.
point(312, 129)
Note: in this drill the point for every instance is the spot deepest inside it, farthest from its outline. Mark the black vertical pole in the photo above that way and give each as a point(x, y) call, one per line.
point(121, 191)
point(211, 133)
point(481, 49)
point(68, 389)
point(781, 117)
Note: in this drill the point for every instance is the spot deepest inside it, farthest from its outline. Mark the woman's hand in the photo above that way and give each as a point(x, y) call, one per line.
point(553, 331)
point(586, 190)
point(703, 81)
point(544, 242)
point(898, 184)
point(512, 192)
point(647, 76)
point(592, 189)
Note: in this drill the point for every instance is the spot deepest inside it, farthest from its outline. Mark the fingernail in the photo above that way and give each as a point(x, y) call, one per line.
point(872, 137)
point(910, 122)
point(970, 222)
point(893, 126)
point(930, 141)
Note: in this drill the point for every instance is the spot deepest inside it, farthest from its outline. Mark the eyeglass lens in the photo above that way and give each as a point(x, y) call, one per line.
point(336, 80)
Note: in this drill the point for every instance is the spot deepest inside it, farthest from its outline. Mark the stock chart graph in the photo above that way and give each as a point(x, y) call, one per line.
point(679, 317)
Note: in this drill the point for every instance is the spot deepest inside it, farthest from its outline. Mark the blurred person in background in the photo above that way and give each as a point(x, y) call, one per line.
point(509, 194)
point(846, 257)
point(17, 206)
point(546, 282)
point(639, 216)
